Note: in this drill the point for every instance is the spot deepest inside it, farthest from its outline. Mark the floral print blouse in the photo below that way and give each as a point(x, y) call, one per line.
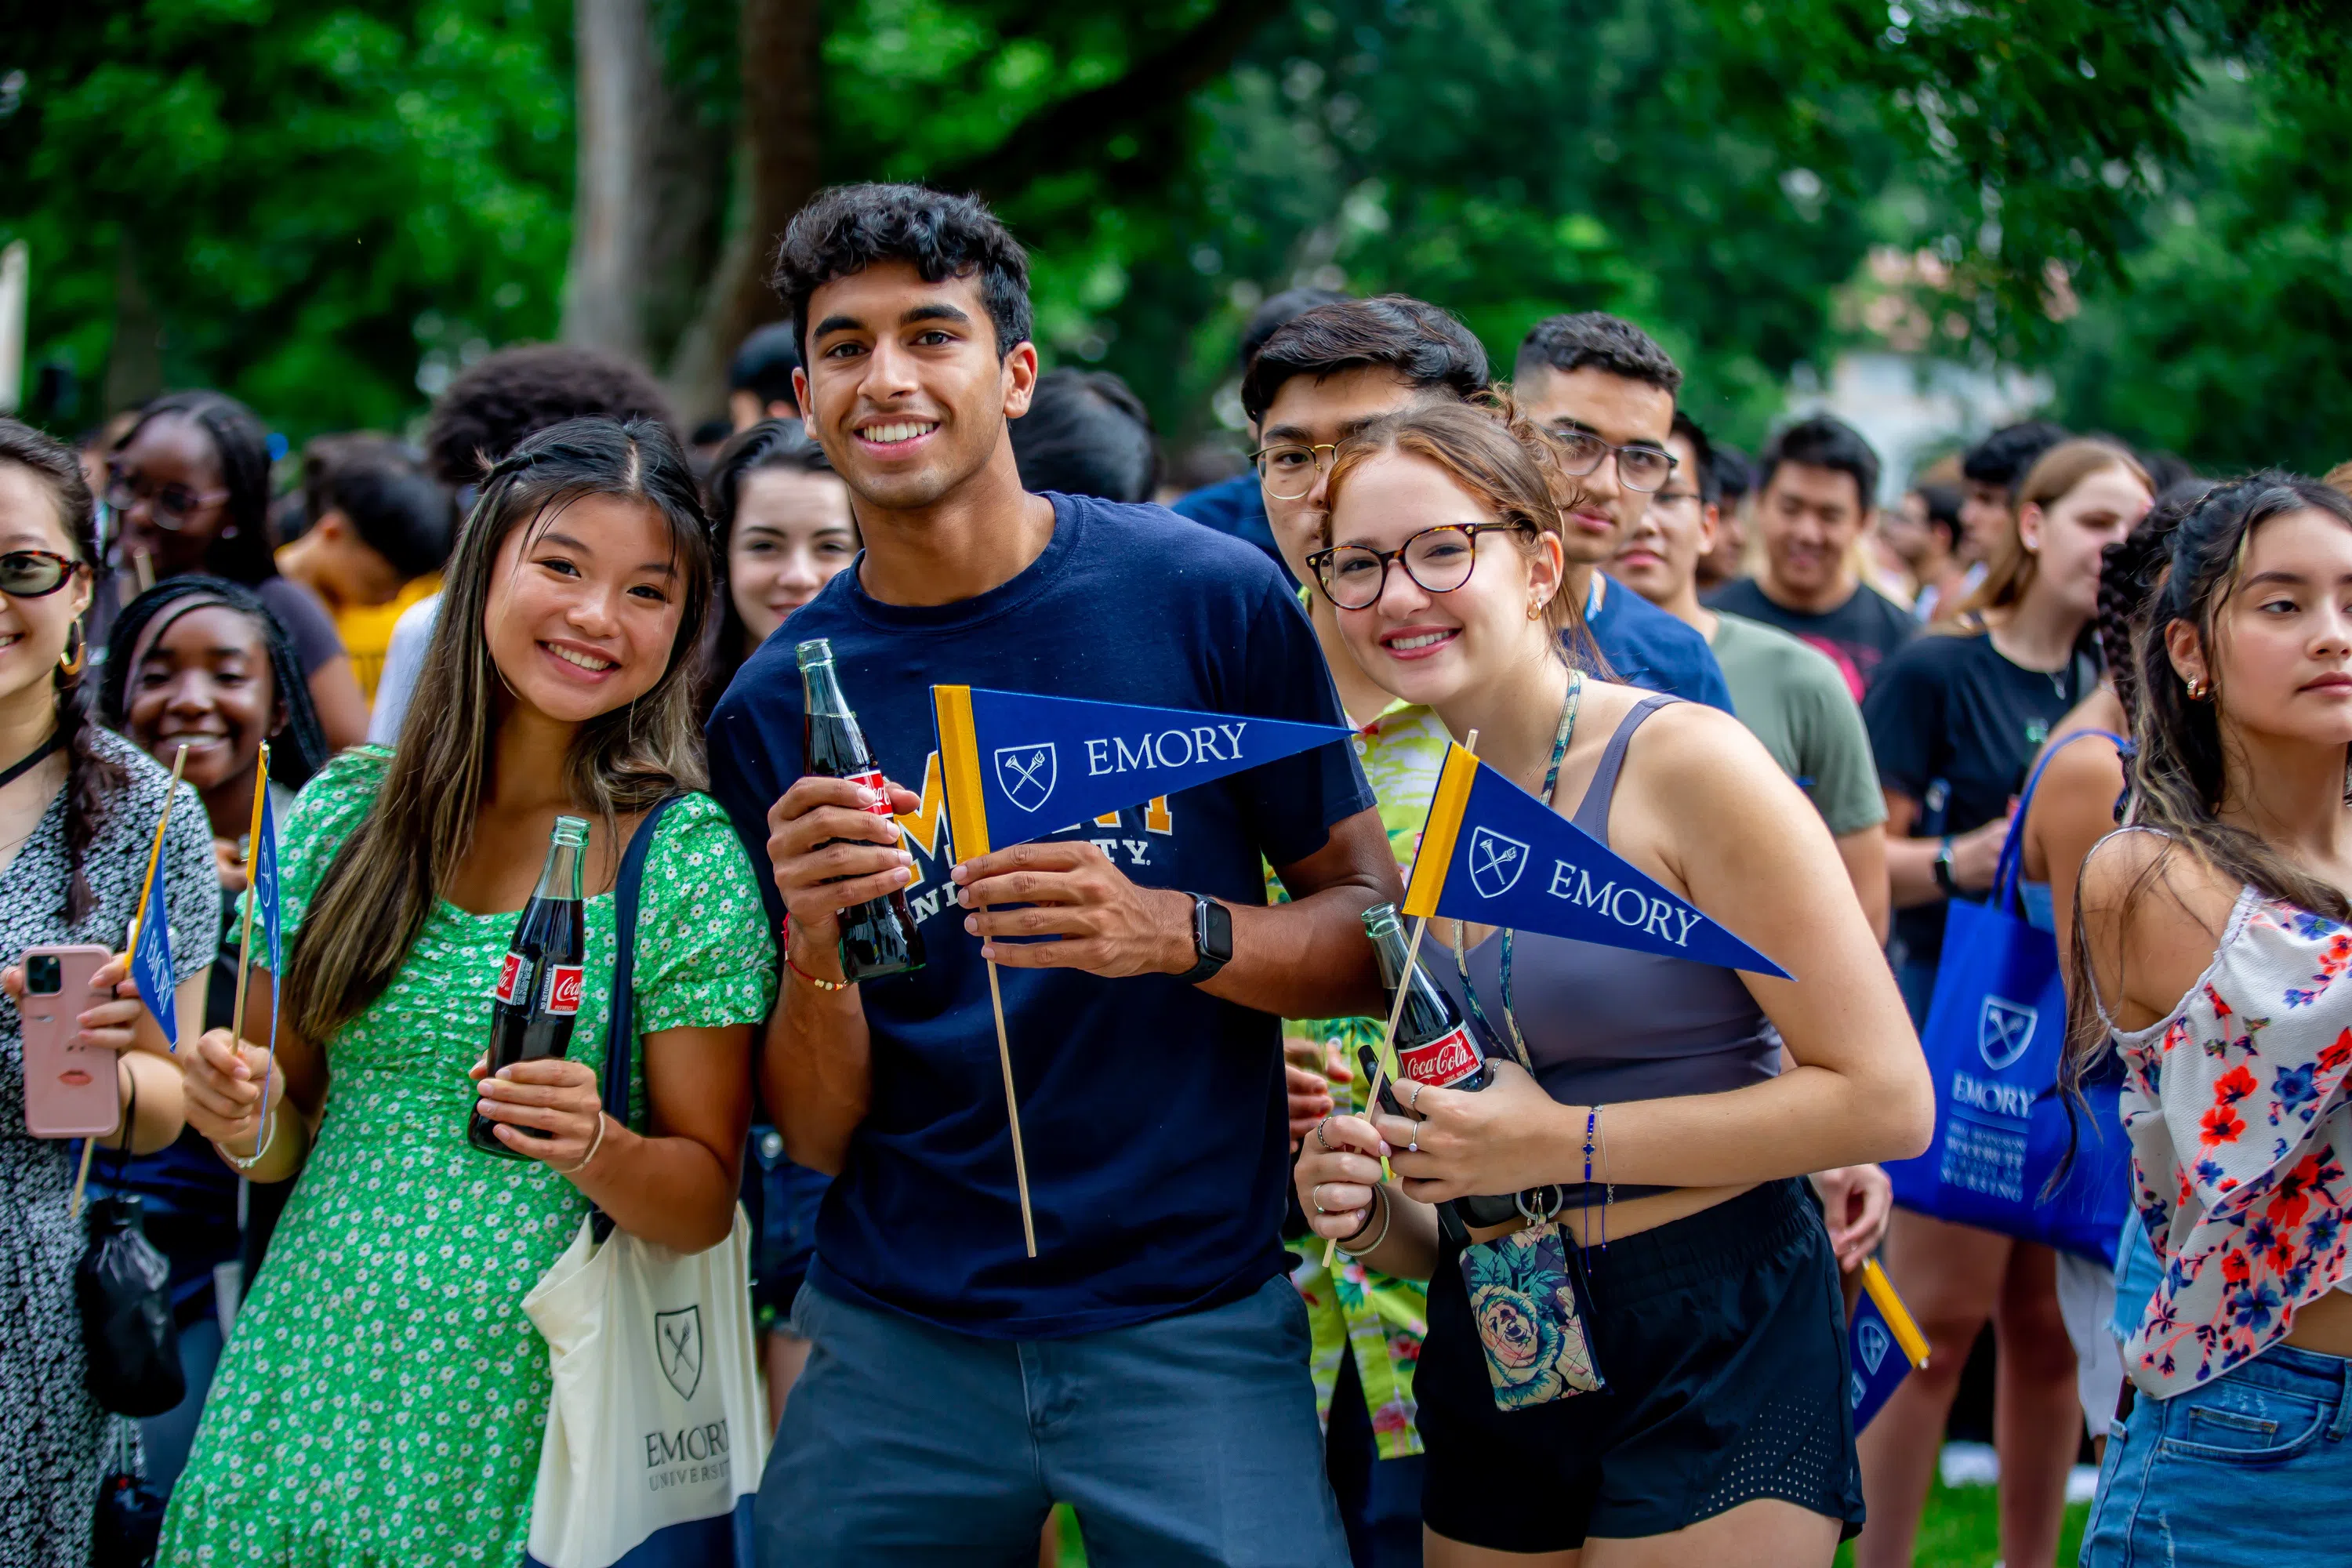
point(2240, 1117)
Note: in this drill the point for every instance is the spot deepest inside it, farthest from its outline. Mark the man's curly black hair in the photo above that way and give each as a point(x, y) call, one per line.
point(848, 228)
point(517, 391)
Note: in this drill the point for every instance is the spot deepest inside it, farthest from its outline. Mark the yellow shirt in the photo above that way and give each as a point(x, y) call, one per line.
point(366, 630)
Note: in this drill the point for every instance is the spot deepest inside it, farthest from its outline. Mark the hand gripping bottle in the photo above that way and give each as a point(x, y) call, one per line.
point(1435, 1045)
point(878, 937)
point(538, 997)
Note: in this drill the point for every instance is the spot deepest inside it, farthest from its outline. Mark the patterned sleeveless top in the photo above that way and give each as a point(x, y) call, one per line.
point(2238, 1107)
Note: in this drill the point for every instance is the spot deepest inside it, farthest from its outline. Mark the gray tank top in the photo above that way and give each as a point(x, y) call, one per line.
point(1604, 1023)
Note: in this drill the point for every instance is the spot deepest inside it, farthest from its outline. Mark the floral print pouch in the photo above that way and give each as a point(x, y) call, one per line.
point(1530, 1308)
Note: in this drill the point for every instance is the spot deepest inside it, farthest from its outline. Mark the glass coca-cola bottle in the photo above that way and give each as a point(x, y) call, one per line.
point(1435, 1045)
point(878, 937)
point(537, 995)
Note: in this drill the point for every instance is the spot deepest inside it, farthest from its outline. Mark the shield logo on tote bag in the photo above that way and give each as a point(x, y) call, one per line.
point(680, 1337)
point(2004, 1029)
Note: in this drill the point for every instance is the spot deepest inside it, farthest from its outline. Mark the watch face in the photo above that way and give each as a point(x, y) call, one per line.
point(1216, 938)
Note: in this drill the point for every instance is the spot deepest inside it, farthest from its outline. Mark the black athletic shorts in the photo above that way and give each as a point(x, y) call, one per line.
point(1721, 1339)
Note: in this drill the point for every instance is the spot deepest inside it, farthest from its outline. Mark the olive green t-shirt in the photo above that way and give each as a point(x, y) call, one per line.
point(1797, 703)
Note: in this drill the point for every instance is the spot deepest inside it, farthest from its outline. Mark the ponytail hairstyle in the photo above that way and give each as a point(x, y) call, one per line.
point(2180, 772)
point(2010, 576)
point(92, 780)
point(297, 751)
point(241, 552)
point(1510, 463)
point(374, 897)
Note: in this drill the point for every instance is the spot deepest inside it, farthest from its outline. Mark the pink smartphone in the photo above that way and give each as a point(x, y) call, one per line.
point(69, 1090)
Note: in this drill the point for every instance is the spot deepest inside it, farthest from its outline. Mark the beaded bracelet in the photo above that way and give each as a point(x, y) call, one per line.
point(786, 948)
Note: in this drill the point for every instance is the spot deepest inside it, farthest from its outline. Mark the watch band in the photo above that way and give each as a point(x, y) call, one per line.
point(1212, 938)
point(1944, 868)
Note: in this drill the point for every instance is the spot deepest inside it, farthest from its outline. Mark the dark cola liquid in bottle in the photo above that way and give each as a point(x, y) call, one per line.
point(537, 995)
point(877, 938)
point(1435, 1045)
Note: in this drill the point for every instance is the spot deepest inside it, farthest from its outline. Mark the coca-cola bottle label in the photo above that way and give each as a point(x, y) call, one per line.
point(1443, 1061)
point(872, 779)
point(514, 980)
point(564, 981)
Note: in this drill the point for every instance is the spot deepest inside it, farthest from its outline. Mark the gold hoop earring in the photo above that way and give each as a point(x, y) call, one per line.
point(1535, 609)
point(76, 654)
point(2197, 688)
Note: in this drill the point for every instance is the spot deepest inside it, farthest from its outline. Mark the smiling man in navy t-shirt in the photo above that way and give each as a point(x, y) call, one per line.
point(1149, 1365)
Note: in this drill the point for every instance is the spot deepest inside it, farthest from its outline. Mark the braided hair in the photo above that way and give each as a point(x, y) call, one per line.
point(92, 779)
point(240, 551)
point(302, 747)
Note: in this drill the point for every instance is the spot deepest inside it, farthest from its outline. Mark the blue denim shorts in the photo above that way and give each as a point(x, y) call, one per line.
point(2252, 1468)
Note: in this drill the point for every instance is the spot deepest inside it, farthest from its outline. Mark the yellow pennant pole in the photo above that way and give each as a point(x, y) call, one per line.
point(1385, 1060)
point(252, 855)
point(968, 827)
point(154, 854)
point(1898, 1317)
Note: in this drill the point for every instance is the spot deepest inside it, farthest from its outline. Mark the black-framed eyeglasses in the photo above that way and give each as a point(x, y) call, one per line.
point(1439, 560)
point(1288, 471)
point(1640, 466)
point(170, 505)
point(35, 573)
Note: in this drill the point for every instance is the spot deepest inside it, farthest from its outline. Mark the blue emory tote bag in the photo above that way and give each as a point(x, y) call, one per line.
point(1995, 1040)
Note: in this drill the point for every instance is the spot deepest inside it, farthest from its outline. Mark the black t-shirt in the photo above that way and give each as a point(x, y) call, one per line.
point(1152, 1113)
point(1954, 725)
point(1857, 635)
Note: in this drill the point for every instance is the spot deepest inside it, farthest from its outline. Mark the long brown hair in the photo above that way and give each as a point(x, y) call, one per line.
point(2181, 770)
point(374, 898)
point(92, 779)
point(1498, 454)
point(2009, 575)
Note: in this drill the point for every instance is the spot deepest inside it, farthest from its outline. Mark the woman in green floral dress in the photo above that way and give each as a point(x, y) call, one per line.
point(382, 1399)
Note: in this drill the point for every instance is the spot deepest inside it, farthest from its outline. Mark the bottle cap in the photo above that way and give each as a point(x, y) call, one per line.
point(571, 830)
point(1380, 920)
point(816, 650)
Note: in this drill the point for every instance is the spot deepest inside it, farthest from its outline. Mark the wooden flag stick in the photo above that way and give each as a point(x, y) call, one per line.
point(1012, 1111)
point(1384, 1060)
point(73, 1209)
point(154, 854)
point(252, 855)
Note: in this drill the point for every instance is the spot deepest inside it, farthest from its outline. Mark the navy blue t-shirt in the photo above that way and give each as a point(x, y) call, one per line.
point(1648, 648)
point(1234, 506)
point(1152, 1114)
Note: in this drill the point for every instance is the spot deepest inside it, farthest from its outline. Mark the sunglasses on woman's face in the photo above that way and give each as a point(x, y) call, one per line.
point(35, 573)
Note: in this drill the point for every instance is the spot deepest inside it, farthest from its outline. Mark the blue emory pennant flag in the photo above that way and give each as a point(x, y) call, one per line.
point(151, 955)
point(1019, 766)
point(1492, 854)
point(1883, 1345)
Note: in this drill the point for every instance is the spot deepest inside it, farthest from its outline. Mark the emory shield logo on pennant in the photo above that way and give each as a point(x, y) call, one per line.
point(678, 1337)
point(1875, 1343)
point(2004, 1029)
point(1025, 774)
point(1496, 862)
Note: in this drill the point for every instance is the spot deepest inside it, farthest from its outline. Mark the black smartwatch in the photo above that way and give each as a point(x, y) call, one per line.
point(1944, 868)
point(1212, 938)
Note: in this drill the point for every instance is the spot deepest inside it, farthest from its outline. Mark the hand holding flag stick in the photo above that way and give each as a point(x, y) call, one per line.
point(144, 945)
point(1385, 1063)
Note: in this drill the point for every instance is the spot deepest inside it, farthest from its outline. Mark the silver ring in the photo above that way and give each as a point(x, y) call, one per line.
point(1414, 1147)
point(1414, 1103)
point(1319, 1137)
point(1314, 1196)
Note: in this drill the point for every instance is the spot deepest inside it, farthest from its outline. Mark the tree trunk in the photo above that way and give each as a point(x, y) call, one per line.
point(778, 160)
point(619, 93)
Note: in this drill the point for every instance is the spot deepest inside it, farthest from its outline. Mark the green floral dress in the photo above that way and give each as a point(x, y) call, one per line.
point(1379, 1319)
point(383, 1397)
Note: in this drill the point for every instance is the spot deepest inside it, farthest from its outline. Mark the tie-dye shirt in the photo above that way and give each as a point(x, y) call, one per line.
point(2239, 1107)
point(1379, 1319)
